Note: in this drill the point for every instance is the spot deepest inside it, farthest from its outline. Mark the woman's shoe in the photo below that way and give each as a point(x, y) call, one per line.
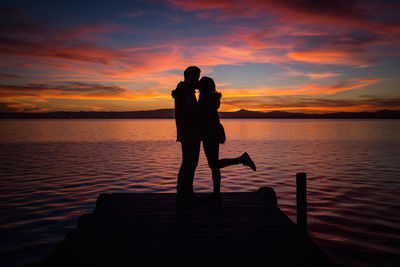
point(246, 160)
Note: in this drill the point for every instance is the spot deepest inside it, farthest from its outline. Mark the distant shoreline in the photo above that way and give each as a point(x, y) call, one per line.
point(169, 114)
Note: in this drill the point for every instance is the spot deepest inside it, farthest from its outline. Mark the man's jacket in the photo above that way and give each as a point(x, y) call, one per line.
point(186, 118)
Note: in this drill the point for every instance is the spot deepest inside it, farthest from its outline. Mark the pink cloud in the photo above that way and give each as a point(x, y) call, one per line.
point(202, 4)
point(330, 12)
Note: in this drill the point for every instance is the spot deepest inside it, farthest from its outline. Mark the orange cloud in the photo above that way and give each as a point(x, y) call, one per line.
point(12, 106)
point(339, 87)
point(322, 75)
point(307, 89)
point(311, 75)
point(75, 90)
point(330, 57)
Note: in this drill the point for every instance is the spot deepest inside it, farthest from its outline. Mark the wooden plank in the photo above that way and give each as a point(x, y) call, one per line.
point(154, 230)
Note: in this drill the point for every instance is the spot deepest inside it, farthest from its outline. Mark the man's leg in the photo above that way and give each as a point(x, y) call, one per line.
point(190, 158)
point(181, 173)
point(194, 162)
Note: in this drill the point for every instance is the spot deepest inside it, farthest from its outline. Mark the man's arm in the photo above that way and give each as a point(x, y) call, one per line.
point(180, 91)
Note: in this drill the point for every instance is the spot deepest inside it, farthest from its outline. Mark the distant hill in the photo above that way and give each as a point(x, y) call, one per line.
point(169, 113)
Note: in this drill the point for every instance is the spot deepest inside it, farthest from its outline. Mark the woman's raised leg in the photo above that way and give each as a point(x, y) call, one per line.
point(243, 159)
point(211, 150)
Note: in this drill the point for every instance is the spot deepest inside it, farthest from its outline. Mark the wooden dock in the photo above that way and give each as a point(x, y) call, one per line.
point(152, 229)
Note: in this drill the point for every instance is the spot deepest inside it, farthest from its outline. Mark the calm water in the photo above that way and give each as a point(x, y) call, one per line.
point(51, 172)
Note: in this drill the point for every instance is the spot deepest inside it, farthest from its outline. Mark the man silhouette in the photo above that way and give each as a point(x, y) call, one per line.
point(188, 132)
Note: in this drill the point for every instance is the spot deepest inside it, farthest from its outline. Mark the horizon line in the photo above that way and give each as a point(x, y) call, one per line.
point(171, 109)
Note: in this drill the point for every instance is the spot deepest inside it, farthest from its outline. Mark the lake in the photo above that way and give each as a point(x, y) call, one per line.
point(51, 172)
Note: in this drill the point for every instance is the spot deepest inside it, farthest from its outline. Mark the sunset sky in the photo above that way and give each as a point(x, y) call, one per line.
point(309, 56)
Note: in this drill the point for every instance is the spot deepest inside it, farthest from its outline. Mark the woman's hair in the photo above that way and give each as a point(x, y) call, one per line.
point(207, 88)
point(206, 84)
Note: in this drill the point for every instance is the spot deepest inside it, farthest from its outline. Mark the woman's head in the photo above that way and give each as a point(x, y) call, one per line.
point(206, 84)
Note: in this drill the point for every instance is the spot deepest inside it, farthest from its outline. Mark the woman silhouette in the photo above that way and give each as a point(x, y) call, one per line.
point(212, 133)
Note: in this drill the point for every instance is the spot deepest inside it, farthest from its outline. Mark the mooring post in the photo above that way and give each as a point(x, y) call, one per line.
point(301, 201)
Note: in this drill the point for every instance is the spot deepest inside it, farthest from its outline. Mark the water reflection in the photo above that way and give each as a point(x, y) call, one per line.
point(53, 170)
point(98, 130)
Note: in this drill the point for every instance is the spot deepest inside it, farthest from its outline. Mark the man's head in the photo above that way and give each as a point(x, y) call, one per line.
point(192, 75)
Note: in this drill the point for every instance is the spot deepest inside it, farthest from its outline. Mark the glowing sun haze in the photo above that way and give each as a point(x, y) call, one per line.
point(300, 55)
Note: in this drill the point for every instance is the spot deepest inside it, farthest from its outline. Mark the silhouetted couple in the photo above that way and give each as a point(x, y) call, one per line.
point(198, 121)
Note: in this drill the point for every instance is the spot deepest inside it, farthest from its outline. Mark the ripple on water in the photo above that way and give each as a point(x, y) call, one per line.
point(353, 187)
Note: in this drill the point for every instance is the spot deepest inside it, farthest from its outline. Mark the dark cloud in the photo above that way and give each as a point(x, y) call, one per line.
point(87, 89)
point(18, 107)
point(371, 15)
point(7, 11)
point(352, 40)
point(7, 107)
point(334, 8)
point(17, 27)
point(304, 102)
point(4, 76)
point(33, 37)
point(75, 88)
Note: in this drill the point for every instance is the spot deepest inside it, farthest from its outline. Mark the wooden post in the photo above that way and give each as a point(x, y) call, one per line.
point(301, 201)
